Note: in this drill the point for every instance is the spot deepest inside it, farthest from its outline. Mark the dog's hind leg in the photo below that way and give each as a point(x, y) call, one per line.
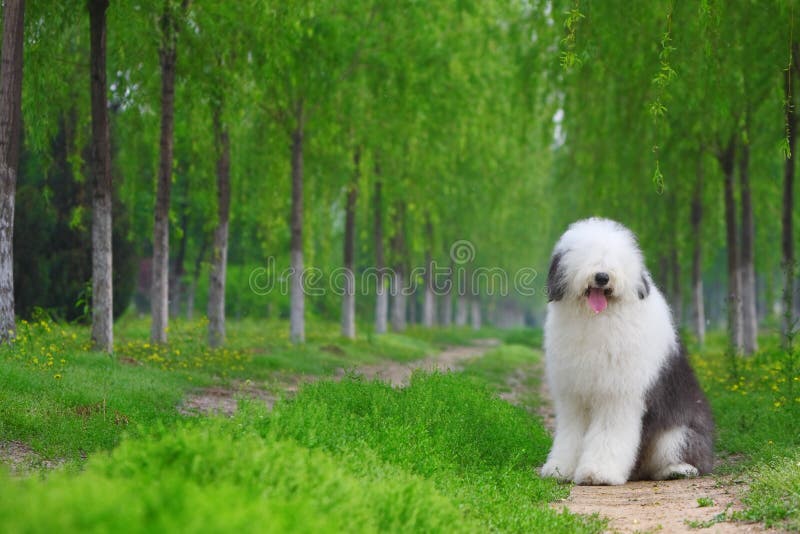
point(665, 457)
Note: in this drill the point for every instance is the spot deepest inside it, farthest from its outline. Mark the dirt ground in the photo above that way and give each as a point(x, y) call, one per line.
point(223, 400)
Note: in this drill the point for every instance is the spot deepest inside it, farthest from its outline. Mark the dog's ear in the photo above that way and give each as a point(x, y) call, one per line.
point(643, 288)
point(556, 285)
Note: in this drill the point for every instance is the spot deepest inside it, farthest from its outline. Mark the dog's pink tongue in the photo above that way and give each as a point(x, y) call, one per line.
point(597, 299)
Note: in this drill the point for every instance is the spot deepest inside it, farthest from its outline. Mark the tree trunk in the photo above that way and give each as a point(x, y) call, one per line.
point(735, 326)
point(399, 301)
point(297, 321)
point(447, 309)
point(102, 295)
point(159, 300)
point(746, 266)
point(462, 309)
point(10, 129)
point(219, 251)
point(696, 220)
point(178, 270)
point(397, 244)
point(381, 296)
point(787, 241)
point(349, 297)
point(475, 312)
point(429, 302)
point(191, 292)
point(675, 289)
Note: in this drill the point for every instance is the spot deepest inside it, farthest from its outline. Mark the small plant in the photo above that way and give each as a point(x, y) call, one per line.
point(703, 502)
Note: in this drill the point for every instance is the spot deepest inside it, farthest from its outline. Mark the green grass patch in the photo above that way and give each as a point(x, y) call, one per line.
point(756, 404)
point(443, 454)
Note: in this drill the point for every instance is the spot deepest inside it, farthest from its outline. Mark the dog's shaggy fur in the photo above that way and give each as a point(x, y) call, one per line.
point(627, 403)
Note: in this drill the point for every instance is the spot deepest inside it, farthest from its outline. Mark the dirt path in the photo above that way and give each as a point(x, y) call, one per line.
point(224, 400)
point(666, 506)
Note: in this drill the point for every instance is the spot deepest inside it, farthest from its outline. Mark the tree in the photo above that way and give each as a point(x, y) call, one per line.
point(219, 251)
point(102, 255)
point(10, 129)
point(168, 54)
point(787, 237)
point(381, 296)
point(349, 296)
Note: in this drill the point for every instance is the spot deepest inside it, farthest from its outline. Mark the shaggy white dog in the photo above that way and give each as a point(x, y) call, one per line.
point(627, 403)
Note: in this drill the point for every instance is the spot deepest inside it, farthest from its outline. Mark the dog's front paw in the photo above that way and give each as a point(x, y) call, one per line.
point(598, 477)
point(552, 469)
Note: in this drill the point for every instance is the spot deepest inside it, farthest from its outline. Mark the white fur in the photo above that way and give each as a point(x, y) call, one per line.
point(600, 365)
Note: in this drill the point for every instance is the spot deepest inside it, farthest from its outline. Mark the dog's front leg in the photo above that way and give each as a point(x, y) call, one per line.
point(611, 443)
point(568, 441)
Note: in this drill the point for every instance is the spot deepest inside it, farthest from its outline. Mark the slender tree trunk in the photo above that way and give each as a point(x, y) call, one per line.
point(219, 251)
point(192, 291)
point(676, 291)
point(462, 310)
point(475, 312)
point(159, 300)
point(397, 244)
point(696, 220)
point(429, 302)
point(735, 326)
point(178, 270)
point(102, 294)
point(349, 297)
point(746, 266)
point(381, 296)
point(398, 301)
point(447, 309)
point(787, 241)
point(297, 326)
point(10, 130)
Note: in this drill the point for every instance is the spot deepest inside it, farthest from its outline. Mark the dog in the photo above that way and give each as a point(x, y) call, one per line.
point(627, 403)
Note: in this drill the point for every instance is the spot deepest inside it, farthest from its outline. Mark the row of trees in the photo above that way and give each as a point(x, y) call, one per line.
point(410, 119)
point(699, 119)
point(375, 134)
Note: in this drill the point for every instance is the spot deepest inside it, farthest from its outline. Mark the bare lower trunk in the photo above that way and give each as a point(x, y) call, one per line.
point(192, 290)
point(696, 220)
point(176, 281)
point(747, 267)
point(297, 321)
point(429, 300)
point(447, 309)
point(475, 313)
point(787, 240)
point(734, 299)
point(159, 298)
point(398, 301)
point(349, 297)
point(219, 251)
point(462, 310)
point(397, 243)
point(381, 296)
point(10, 127)
point(102, 294)
point(676, 293)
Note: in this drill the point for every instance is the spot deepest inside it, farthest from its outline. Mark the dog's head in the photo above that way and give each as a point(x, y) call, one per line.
point(597, 263)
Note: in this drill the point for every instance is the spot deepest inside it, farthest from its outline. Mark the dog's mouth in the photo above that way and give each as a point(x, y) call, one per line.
point(598, 297)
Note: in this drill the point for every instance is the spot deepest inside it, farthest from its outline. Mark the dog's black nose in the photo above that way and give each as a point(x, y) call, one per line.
point(601, 279)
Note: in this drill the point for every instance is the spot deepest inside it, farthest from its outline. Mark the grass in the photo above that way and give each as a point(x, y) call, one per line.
point(756, 404)
point(444, 454)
